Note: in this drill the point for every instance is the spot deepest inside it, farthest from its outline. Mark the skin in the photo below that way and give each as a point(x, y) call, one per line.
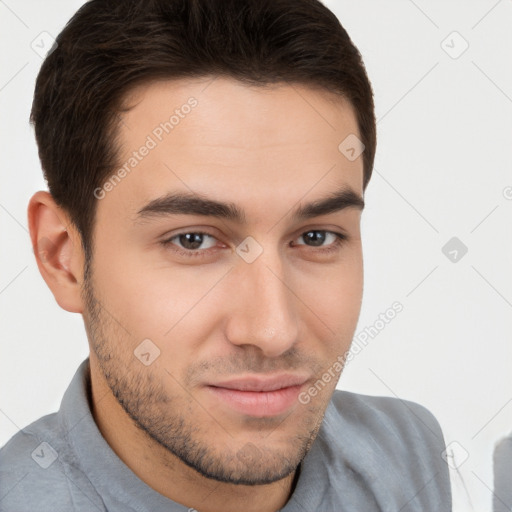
point(213, 317)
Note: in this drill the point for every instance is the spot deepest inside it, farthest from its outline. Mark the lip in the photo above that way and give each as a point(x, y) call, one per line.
point(259, 396)
point(260, 383)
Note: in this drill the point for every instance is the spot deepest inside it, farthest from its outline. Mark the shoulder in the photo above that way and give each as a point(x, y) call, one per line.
point(386, 416)
point(35, 460)
point(394, 445)
point(19, 453)
point(398, 426)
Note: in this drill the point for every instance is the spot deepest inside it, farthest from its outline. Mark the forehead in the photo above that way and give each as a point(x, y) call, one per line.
point(232, 141)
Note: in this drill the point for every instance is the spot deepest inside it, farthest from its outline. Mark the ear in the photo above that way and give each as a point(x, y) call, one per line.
point(58, 250)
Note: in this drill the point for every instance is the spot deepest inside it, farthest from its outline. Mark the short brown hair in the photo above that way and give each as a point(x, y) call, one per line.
point(110, 46)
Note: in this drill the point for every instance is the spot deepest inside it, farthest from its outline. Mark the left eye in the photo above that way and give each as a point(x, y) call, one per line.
point(317, 238)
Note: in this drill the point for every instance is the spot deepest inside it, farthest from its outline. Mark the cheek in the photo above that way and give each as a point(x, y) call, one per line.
point(335, 297)
point(337, 288)
point(344, 294)
point(170, 305)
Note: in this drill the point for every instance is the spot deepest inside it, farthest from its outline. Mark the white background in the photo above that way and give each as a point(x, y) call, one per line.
point(443, 170)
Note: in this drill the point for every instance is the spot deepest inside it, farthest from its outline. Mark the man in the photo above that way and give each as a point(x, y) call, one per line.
point(207, 162)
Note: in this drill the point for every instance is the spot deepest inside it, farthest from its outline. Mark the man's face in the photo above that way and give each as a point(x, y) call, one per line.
point(238, 327)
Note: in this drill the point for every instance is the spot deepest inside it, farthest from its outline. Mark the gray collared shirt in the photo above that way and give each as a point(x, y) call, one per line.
point(371, 454)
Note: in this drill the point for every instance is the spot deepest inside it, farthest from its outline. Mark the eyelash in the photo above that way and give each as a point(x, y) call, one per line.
point(341, 239)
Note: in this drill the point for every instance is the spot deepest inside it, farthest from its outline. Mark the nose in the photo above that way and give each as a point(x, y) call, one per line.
point(264, 309)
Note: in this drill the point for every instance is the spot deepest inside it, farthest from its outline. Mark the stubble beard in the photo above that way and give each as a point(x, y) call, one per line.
point(145, 400)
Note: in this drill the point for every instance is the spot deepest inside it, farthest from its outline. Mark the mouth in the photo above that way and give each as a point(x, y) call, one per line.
point(257, 396)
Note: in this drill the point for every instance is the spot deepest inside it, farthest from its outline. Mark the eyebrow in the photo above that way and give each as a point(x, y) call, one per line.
point(180, 203)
